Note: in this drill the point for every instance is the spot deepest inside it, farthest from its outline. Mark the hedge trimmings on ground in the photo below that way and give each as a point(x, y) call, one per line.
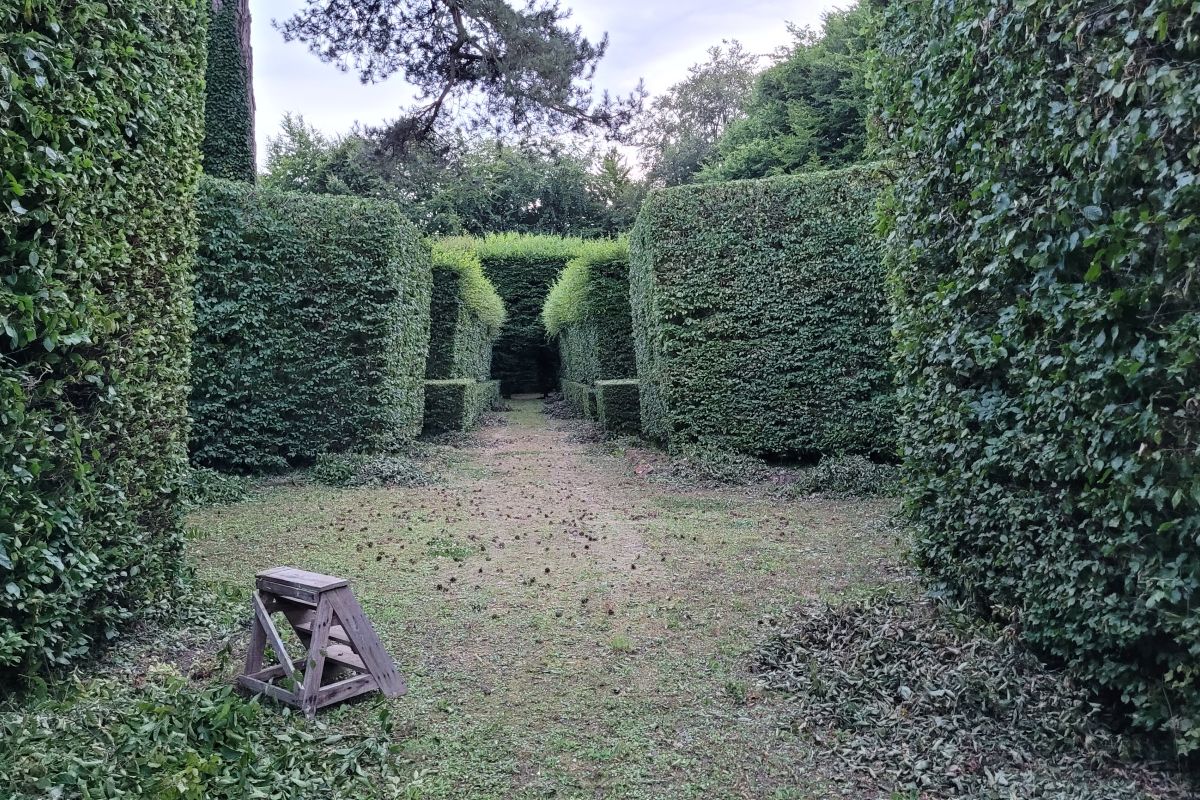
point(914, 702)
point(760, 316)
point(168, 738)
point(101, 106)
point(458, 405)
point(312, 328)
point(374, 469)
point(1044, 238)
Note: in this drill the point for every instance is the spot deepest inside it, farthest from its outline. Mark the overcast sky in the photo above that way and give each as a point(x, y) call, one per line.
point(648, 39)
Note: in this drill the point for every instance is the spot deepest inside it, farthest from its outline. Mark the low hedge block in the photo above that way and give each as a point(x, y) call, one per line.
point(761, 320)
point(618, 406)
point(581, 398)
point(312, 327)
point(458, 405)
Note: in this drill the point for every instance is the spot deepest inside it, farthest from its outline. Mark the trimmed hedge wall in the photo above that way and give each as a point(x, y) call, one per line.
point(760, 316)
point(458, 405)
point(1044, 241)
point(587, 311)
point(618, 406)
point(97, 234)
point(466, 315)
point(229, 146)
point(523, 268)
point(313, 327)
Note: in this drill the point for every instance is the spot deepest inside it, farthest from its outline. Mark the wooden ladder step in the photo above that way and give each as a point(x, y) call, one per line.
point(336, 632)
point(300, 579)
point(343, 655)
point(344, 690)
point(297, 584)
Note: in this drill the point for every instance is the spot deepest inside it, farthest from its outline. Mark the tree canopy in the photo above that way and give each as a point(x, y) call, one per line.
point(808, 111)
point(498, 66)
point(681, 129)
point(462, 184)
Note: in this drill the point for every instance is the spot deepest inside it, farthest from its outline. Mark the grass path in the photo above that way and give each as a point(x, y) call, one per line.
point(568, 627)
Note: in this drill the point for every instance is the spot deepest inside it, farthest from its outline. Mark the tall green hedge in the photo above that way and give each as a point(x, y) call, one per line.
point(466, 314)
point(100, 111)
point(523, 268)
point(760, 316)
point(587, 310)
point(466, 317)
point(1044, 236)
point(229, 146)
point(312, 320)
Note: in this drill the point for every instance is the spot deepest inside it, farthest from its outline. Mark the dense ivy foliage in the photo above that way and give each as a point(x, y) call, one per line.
point(587, 311)
point(466, 314)
point(1044, 234)
point(580, 398)
point(522, 268)
point(760, 316)
point(229, 147)
point(312, 327)
point(100, 108)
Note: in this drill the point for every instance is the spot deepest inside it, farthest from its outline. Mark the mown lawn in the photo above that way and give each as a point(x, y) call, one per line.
point(568, 627)
point(576, 619)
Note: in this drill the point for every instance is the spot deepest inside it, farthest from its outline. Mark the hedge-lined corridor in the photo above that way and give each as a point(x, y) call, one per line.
point(845, 446)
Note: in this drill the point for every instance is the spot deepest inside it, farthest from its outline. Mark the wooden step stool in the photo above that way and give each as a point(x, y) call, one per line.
point(332, 625)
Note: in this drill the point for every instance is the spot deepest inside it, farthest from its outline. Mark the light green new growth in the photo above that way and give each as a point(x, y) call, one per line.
point(567, 302)
point(530, 247)
point(459, 254)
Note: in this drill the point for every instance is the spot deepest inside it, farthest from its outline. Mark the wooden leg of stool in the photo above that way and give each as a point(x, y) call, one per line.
point(315, 666)
point(272, 634)
point(366, 642)
point(258, 646)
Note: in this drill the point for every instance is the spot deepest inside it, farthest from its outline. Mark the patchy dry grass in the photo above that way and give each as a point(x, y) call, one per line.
point(570, 624)
point(568, 628)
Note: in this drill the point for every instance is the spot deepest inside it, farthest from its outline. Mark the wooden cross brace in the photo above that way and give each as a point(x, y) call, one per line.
point(326, 617)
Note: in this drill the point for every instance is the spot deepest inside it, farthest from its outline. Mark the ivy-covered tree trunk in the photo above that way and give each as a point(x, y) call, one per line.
point(229, 143)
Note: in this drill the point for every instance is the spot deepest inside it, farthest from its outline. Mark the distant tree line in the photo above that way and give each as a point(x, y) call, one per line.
point(465, 184)
point(728, 119)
